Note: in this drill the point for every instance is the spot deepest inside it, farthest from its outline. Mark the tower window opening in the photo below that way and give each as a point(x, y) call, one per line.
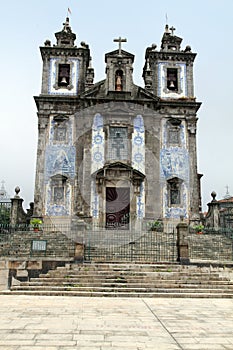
point(172, 79)
point(63, 75)
point(172, 47)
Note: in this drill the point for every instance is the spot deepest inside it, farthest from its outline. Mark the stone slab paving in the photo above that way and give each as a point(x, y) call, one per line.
point(68, 323)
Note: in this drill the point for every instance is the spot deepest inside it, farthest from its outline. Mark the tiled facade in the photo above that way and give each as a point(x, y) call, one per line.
point(97, 141)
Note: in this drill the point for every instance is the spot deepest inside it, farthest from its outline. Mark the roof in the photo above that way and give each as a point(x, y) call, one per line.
point(226, 200)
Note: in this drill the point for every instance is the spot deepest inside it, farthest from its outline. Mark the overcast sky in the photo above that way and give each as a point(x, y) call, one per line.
point(205, 25)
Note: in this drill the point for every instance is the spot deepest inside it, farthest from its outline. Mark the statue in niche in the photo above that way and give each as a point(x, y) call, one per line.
point(118, 81)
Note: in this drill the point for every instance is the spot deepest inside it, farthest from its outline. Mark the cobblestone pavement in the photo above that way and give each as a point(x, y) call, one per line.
point(67, 323)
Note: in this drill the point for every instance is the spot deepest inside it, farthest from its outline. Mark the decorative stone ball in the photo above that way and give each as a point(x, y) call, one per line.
point(17, 190)
point(213, 195)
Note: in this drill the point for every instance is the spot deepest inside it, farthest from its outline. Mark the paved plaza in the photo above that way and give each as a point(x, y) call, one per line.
point(67, 323)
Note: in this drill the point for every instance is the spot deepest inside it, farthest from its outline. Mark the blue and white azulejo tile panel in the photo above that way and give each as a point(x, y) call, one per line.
point(55, 209)
point(138, 145)
point(59, 159)
point(98, 144)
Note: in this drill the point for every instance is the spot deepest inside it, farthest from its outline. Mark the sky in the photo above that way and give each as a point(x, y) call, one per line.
point(204, 25)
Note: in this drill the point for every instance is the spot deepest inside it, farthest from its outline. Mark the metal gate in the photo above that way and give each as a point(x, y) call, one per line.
point(122, 245)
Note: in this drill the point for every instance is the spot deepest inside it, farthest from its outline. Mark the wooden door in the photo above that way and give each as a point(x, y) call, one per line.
point(117, 207)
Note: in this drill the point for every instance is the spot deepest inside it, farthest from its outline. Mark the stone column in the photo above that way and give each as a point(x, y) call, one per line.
point(182, 243)
point(194, 180)
point(18, 216)
point(213, 216)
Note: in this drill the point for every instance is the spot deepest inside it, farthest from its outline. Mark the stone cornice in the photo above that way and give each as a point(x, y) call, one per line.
point(45, 103)
point(76, 102)
point(171, 56)
point(49, 51)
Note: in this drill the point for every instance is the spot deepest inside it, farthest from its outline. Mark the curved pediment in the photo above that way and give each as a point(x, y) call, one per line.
point(117, 170)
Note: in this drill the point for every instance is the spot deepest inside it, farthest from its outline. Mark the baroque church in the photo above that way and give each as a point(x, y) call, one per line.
point(110, 153)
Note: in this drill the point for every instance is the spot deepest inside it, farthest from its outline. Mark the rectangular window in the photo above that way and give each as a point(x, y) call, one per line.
point(174, 190)
point(174, 135)
point(63, 75)
point(118, 143)
point(172, 79)
point(175, 196)
point(60, 133)
point(58, 194)
point(58, 189)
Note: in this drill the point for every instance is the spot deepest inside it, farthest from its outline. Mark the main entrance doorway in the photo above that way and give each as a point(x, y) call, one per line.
point(117, 207)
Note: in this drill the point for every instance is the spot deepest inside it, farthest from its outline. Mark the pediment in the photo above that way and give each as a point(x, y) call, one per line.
point(115, 53)
point(119, 168)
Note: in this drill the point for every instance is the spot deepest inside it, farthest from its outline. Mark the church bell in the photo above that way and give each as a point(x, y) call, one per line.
point(64, 81)
point(171, 85)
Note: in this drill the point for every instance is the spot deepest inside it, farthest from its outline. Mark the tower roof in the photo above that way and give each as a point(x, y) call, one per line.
point(170, 42)
point(65, 37)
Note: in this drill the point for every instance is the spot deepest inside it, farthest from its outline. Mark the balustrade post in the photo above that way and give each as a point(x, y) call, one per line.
point(182, 243)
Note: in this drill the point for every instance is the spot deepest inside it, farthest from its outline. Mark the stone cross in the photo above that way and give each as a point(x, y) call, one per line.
point(172, 30)
point(120, 40)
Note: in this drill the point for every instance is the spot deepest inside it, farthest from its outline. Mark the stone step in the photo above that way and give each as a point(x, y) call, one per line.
point(105, 269)
point(186, 294)
point(149, 284)
point(137, 278)
point(119, 289)
point(129, 280)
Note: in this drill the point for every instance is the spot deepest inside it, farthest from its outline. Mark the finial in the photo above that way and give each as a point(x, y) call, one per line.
point(66, 25)
point(187, 49)
point(47, 43)
point(167, 29)
point(17, 190)
point(213, 195)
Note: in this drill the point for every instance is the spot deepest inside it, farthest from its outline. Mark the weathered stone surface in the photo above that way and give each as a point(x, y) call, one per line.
point(77, 161)
point(34, 265)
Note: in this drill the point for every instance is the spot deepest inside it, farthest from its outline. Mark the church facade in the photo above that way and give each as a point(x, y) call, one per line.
point(112, 153)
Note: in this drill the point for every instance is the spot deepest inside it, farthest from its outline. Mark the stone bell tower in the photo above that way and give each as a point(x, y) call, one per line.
point(168, 74)
point(66, 74)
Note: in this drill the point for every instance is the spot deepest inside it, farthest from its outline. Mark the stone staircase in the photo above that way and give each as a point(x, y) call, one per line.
point(131, 280)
